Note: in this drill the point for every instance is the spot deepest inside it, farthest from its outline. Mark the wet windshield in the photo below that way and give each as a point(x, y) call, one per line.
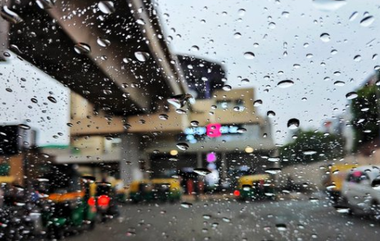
point(189, 120)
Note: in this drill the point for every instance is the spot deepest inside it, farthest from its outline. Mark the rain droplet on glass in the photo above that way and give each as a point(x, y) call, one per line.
point(142, 56)
point(293, 123)
point(285, 84)
point(325, 37)
point(82, 48)
point(106, 7)
point(367, 21)
point(10, 16)
point(249, 55)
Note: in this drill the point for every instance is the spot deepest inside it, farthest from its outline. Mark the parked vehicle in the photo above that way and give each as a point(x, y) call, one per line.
point(159, 189)
point(361, 190)
point(255, 187)
point(71, 202)
point(105, 201)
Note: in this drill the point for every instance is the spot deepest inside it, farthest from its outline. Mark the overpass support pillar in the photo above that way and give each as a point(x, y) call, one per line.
point(224, 167)
point(130, 169)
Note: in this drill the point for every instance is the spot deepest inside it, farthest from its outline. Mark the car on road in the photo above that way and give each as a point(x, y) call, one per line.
point(361, 190)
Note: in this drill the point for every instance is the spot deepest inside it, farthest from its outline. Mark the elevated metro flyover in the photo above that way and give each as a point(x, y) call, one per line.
point(111, 53)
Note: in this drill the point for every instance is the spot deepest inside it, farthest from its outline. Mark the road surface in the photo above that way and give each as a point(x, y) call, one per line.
point(308, 219)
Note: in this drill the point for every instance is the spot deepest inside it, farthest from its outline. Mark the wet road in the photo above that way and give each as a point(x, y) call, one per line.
point(310, 219)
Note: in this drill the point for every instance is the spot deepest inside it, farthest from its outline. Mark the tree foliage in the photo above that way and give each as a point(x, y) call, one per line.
point(312, 146)
point(365, 113)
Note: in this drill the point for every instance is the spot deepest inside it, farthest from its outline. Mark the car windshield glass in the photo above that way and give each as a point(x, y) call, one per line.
point(189, 120)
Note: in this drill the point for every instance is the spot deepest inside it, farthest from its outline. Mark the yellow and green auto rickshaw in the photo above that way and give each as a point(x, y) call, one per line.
point(255, 187)
point(71, 204)
point(334, 180)
point(158, 189)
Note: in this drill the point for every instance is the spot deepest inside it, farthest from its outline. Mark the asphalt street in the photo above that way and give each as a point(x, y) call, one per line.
point(307, 219)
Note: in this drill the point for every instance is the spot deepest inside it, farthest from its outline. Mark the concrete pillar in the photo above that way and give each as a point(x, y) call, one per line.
point(199, 160)
point(130, 156)
point(224, 166)
point(4, 32)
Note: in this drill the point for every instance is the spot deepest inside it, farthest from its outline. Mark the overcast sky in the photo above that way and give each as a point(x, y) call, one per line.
point(24, 99)
point(225, 30)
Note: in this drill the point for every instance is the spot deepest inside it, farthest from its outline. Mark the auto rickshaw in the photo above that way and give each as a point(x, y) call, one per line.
point(71, 204)
point(255, 187)
point(167, 189)
point(105, 201)
point(334, 180)
point(161, 189)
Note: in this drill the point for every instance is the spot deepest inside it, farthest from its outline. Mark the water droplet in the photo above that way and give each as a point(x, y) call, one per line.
point(249, 55)
point(142, 56)
point(24, 126)
point(274, 159)
point(285, 14)
point(227, 88)
point(351, 95)
point(163, 116)
point(274, 170)
point(183, 146)
point(296, 66)
point(374, 57)
point(34, 100)
point(309, 152)
point(339, 83)
point(353, 16)
point(237, 35)
point(285, 84)
point(343, 209)
point(106, 7)
point(10, 16)
point(334, 51)
point(358, 58)
point(82, 48)
point(293, 123)
point(194, 48)
point(206, 216)
point(257, 103)
point(241, 12)
point(102, 42)
point(179, 101)
point(244, 81)
point(140, 21)
point(325, 37)
point(194, 123)
point(281, 227)
point(45, 4)
point(241, 130)
point(202, 171)
point(227, 220)
point(9, 89)
point(186, 205)
point(272, 25)
point(180, 111)
point(271, 113)
point(52, 99)
point(367, 21)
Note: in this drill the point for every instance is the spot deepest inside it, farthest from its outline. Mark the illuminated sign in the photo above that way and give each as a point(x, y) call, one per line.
point(213, 130)
point(200, 131)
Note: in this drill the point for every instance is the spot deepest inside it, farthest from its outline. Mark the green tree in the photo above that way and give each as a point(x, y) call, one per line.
point(365, 114)
point(312, 146)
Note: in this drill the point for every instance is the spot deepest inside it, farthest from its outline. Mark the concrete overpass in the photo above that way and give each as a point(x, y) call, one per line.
point(111, 53)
